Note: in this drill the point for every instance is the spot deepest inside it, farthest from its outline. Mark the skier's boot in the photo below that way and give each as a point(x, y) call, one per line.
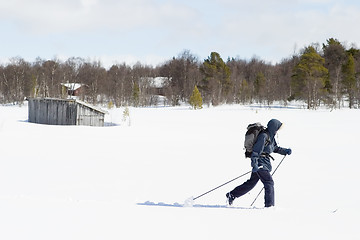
point(230, 198)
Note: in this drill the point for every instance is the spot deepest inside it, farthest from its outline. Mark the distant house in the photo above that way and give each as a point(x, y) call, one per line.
point(157, 84)
point(64, 112)
point(73, 89)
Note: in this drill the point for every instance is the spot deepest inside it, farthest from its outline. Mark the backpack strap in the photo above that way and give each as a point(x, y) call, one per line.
point(267, 141)
point(267, 155)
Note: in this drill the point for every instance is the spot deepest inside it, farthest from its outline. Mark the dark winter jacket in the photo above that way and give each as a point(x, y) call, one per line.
point(265, 145)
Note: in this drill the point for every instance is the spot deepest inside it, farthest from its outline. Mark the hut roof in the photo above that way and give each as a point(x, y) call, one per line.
point(76, 101)
point(90, 106)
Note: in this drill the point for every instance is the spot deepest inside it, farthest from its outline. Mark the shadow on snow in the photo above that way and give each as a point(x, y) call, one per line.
point(161, 204)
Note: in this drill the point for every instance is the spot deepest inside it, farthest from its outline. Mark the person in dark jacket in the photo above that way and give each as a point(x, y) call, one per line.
point(261, 164)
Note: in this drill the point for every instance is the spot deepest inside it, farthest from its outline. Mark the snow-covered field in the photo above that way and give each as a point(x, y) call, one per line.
point(129, 182)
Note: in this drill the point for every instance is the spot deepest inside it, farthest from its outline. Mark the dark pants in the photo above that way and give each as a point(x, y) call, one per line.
point(265, 178)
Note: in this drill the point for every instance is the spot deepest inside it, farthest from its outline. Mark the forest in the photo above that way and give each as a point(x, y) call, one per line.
point(326, 74)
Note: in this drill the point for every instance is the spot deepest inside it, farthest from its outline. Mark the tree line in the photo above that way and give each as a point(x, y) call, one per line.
point(327, 74)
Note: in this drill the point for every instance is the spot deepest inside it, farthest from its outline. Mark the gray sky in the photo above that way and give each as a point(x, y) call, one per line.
point(152, 31)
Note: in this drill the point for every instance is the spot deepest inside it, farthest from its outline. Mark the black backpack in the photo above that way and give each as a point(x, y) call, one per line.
point(253, 131)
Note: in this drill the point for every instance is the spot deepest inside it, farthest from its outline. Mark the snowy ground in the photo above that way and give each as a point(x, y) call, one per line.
point(129, 182)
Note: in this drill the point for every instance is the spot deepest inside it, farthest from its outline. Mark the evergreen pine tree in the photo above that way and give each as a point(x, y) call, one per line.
point(110, 105)
point(136, 94)
point(216, 84)
point(310, 77)
point(259, 85)
point(335, 57)
point(349, 79)
point(196, 99)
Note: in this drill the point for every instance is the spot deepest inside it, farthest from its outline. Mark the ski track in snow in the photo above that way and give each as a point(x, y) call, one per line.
point(162, 204)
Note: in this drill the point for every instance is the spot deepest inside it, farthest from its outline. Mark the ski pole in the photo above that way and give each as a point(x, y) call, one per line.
point(221, 185)
point(263, 187)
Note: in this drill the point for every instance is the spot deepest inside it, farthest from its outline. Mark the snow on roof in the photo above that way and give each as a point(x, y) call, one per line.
point(91, 106)
point(72, 86)
point(157, 82)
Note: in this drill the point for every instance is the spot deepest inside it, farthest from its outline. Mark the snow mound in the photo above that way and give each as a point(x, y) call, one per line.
point(189, 202)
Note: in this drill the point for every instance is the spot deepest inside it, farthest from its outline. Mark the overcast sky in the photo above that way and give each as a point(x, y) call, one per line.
point(152, 31)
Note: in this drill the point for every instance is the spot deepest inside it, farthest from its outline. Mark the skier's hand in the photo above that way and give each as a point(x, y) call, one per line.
point(288, 151)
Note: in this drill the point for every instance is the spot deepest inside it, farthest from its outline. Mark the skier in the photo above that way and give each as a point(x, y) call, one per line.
point(261, 164)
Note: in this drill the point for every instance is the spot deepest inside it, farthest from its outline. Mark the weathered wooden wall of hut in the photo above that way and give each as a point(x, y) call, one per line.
point(52, 111)
point(64, 112)
point(89, 117)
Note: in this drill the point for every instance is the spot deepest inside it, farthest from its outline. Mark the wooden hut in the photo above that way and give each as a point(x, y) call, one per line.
point(64, 112)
